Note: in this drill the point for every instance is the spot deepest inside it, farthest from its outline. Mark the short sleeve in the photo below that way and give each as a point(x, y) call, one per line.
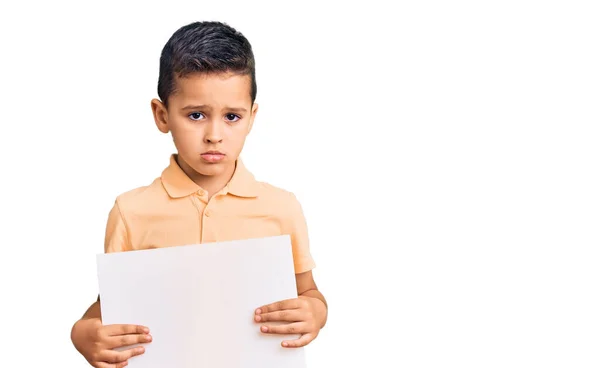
point(116, 239)
point(295, 226)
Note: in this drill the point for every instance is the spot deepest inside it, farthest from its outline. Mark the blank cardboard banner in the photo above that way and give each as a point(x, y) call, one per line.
point(199, 300)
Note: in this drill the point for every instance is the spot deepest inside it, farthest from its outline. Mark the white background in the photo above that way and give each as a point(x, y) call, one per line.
point(446, 154)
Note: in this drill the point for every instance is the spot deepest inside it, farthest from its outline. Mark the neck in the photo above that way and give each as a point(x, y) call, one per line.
point(211, 183)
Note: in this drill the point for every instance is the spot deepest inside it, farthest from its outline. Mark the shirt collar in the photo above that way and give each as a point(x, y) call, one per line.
point(178, 184)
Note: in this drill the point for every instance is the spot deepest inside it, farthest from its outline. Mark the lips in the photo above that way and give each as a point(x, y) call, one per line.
point(212, 156)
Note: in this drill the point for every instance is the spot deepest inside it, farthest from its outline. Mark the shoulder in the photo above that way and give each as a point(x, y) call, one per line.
point(284, 202)
point(141, 197)
point(271, 192)
point(293, 223)
point(277, 195)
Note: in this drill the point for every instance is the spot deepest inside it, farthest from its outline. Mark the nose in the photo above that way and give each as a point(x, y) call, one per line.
point(213, 133)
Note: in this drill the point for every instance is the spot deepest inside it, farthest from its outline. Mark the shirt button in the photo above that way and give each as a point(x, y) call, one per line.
point(207, 213)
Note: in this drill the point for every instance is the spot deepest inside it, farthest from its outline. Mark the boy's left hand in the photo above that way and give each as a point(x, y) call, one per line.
point(304, 315)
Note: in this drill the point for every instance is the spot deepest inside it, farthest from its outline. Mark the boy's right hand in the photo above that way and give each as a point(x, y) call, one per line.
point(96, 342)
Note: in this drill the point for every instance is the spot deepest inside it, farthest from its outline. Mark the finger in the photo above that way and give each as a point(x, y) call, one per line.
point(289, 315)
point(290, 328)
point(115, 357)
point(281, 305)
point(127, 340)
point(116, 330)
point(110, 365)
point(302, 341)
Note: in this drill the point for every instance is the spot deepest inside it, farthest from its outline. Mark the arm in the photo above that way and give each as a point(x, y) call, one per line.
point(307, 288)
point(115, 240)
point(307, 314)
point(93, 340)
point(93, 311)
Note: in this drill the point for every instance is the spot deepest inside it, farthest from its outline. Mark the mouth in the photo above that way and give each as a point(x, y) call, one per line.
point(212, 156)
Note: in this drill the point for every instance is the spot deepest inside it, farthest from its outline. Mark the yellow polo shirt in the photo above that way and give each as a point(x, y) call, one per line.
point(173, 210)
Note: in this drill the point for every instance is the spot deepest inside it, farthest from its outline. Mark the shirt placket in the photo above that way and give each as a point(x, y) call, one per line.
point(200, 200)
point(206, 213)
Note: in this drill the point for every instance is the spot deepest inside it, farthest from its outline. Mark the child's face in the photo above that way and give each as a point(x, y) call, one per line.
point(209, 117)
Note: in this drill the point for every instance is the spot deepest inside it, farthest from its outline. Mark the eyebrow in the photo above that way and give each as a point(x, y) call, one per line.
point(206, 107)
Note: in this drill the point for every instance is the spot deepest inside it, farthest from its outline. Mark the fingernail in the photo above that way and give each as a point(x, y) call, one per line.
point(258, 311)
point(146, 330)
point(148, 338)
point(140, 349)
point(264, 328)
point(285, 344)
point(257, 318)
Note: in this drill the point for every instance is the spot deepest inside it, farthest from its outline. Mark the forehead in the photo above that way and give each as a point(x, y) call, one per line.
point(216, 89)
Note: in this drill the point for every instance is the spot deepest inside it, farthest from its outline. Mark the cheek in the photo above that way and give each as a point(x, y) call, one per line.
point(186, 139)
point(236, 141)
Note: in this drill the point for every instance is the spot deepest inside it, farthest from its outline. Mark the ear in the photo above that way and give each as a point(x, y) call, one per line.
point(252, 116)
point(159, 110)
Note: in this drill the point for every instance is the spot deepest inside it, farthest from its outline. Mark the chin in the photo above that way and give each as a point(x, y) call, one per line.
point(207, 169)
point(204, 168)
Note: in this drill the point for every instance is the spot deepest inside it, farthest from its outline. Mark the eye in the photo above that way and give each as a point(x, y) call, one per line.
point(232, 118)
point(196, 116)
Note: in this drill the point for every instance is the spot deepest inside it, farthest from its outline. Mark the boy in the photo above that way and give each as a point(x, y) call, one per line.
point(207, 91)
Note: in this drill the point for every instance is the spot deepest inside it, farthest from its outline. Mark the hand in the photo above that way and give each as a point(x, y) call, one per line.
point(96, 342)
point(303, 314)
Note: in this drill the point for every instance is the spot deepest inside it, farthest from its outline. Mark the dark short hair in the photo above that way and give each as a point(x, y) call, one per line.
point(205, 47)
